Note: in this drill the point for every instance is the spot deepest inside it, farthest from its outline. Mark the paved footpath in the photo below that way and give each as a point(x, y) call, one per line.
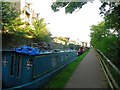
point(88, 74)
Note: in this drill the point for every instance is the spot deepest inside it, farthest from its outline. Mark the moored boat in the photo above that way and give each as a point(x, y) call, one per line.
point(32, 68)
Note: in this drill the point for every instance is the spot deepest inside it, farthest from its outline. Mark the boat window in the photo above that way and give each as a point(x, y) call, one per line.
point(67, 56)
point(54, 61)
point(11, 64)
point(19, 66)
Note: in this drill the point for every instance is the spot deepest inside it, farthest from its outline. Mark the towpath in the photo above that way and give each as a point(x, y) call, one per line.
point(88, 74)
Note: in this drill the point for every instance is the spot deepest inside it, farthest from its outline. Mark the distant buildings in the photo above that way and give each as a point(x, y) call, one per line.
point(80, 43)
point(72, 42)
point(61, 40)
point(66, 41)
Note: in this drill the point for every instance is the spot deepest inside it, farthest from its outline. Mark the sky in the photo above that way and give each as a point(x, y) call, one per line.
point(76, 26)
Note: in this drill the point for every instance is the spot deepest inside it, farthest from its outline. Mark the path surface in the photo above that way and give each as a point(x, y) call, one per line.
point(88, 74)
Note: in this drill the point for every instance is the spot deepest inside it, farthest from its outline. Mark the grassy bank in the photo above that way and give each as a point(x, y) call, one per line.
point(61, 79)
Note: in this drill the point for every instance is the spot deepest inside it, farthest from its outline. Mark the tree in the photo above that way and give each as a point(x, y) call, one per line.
point(69, 6)
point(11, 21)
point(9, 17)
point(112, 15)
point(40, 32)
point(112, 20)
point(106, 41)
point(98, 32)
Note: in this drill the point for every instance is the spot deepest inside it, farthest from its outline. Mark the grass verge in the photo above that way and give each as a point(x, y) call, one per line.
point(61, 79)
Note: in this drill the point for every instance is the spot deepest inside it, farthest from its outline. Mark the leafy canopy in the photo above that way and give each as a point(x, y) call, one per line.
point(106, 41)
point(40, 31)
point(69, 6)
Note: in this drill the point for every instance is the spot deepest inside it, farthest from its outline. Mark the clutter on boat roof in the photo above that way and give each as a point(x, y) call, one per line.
point(28, 50)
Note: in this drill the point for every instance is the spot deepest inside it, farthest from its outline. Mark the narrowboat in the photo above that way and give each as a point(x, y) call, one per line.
point(31, 68)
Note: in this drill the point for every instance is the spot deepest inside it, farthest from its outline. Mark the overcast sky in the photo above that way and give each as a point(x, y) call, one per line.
point(75, 25)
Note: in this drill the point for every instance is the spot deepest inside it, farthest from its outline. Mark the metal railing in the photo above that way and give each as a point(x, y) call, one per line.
point(112, 73)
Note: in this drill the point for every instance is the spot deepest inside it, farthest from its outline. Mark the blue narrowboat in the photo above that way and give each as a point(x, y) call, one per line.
point(31, 69)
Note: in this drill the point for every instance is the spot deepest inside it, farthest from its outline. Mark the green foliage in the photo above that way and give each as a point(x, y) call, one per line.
point(40, 33)
point(98, 32)
point(112, 15)
point(70, 7)
point(106, 41)
point(56, 5)
point(8, 13)
point(12, 25)
point(13, 29)
point(11, 21)
point(9, 17)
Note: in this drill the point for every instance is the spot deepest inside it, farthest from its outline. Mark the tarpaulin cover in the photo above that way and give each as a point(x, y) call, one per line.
point(28, 50)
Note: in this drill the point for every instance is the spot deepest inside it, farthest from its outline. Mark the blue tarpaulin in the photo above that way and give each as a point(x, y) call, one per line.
point(28, 50)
